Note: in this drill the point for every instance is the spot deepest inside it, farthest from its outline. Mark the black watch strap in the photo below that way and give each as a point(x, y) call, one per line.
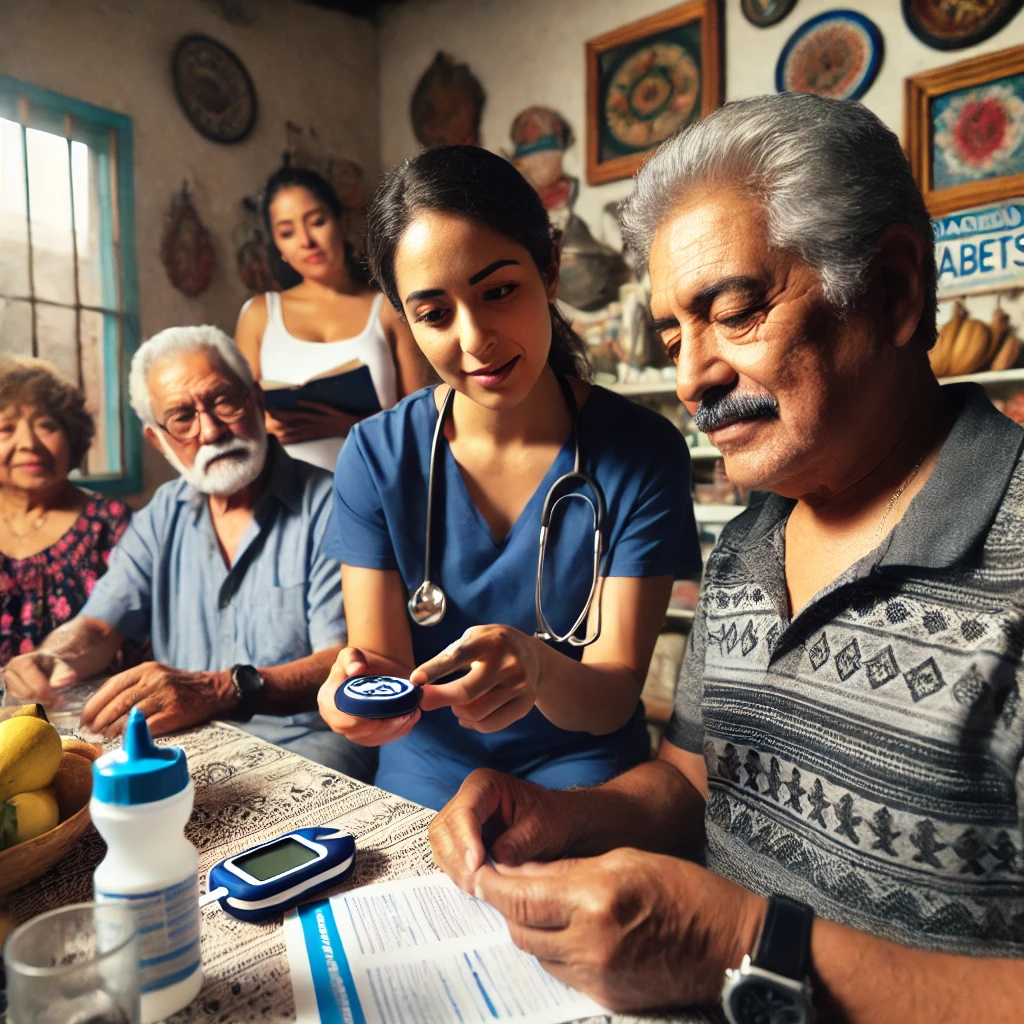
point(785, 943)
point(248, 684)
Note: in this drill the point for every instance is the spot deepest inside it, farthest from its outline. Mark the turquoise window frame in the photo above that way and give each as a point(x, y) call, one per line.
point(121, 339)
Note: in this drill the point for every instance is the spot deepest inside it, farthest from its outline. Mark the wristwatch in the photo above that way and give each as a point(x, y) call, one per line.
point(248, 684)
point(772, 987)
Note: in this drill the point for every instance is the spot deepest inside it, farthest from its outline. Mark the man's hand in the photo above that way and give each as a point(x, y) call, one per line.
point(170, 699)
point(516, 820)
point(501, 684)
point(632, 930)
point(38, 678)
point(370, 732)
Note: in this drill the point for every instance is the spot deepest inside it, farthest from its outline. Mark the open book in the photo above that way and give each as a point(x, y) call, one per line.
point(348, 387)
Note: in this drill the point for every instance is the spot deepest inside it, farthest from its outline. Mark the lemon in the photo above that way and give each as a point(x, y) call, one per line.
point(30, 753)
point(27, 815)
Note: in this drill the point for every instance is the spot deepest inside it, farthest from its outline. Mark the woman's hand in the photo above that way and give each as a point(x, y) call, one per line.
point(501, 684)
point(309, 423)
point(370, 732)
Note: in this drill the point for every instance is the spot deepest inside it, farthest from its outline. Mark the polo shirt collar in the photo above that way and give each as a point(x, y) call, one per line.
point(283, 483)
point(957, 504)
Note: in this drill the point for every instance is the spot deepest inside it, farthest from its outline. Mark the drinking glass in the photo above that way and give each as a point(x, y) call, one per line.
point(64, 711)
point(75, 965)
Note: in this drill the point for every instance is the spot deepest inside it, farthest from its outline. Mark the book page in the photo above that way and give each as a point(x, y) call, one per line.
point(418, 949)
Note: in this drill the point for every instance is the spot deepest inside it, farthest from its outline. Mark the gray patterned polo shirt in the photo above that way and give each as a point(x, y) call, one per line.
point(865, 756)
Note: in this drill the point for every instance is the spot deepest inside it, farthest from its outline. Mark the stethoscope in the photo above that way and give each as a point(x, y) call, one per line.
point(427, 603)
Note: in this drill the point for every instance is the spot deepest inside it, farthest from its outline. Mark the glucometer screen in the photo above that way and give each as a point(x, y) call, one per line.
point(275, 859)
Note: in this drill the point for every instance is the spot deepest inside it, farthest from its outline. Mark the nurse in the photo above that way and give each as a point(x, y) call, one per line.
point(463, 250)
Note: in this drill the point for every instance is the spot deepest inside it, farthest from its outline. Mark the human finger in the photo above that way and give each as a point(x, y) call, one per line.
point(496, 710)
point(456, 832)
point(481, 678)
point(531, 901)
point(112, 700)
point(458, 654)
point(27, 679)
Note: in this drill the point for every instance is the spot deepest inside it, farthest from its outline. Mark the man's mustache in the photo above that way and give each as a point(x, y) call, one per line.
point(716, 410)
point(211, 452)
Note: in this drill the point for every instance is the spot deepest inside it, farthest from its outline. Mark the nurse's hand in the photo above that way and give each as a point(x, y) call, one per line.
point(500, 686)
point(370, 732)
point(516, 820)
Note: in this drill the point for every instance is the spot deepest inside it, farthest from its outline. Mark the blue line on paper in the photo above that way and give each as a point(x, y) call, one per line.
point(336, 998)
point(480, 985)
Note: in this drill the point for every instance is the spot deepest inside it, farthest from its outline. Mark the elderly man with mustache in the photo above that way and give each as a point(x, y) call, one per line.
point(222, 571)
point(844, 766)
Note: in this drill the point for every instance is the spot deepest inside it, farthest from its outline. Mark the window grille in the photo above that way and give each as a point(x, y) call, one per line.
point(68, 289)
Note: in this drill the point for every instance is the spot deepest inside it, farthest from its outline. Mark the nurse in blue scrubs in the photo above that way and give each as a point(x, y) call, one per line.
point(462, 247)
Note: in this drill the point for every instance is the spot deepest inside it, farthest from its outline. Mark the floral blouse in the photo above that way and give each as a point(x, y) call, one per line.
point(40, 592)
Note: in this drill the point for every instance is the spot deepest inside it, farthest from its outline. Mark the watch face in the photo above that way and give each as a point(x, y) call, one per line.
point(757, 1001)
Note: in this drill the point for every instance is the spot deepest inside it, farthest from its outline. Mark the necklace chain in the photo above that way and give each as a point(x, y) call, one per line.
point(896, 497)
point(36, 527)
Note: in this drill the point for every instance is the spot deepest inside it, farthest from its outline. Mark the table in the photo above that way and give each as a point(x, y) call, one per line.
point(248, 791)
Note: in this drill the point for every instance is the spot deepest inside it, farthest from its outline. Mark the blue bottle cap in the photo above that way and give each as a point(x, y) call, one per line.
point(140, 772)
point(377, 697)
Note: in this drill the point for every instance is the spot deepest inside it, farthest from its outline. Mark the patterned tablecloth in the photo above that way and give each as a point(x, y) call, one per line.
point(248, 791)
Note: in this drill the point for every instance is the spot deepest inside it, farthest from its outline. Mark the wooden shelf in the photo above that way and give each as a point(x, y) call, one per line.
point(640, 388)
point(996, 382)
point(704, 451)
point(716, 513)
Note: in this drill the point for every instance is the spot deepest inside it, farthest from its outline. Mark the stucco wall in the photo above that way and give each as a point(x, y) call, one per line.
point(308, 65)
point(532, 51)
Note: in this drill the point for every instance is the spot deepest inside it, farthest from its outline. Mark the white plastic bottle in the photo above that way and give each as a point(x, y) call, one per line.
point(141, 799)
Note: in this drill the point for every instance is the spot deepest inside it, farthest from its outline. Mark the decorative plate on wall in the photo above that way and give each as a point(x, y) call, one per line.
point(214, 89)
point(763, 13)
point(836, 55)
point(952, 26)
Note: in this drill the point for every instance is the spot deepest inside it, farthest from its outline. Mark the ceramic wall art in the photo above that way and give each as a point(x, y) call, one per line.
point(186, 250)
point(836, 55)
point(764, 13)
point(952, 25)
point(965, 131)
point(645, 81)
point(540, 136)
point(446, 105)
point(214, 89)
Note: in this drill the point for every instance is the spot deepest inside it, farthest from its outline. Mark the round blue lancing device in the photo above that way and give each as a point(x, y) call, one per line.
point(377, 697)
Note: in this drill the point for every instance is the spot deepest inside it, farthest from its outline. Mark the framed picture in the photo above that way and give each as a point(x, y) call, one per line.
point(647, 79)
point(964, 131)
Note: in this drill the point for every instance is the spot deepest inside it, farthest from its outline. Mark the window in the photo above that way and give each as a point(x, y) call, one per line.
point(68, 289)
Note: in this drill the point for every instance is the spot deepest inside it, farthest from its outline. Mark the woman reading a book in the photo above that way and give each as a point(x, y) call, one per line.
point(329, 319)
point(462, 247)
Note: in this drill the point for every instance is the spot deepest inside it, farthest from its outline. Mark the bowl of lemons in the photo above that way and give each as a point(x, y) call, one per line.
point(45, 785)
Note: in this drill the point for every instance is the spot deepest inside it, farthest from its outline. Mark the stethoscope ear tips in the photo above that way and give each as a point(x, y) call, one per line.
point(427, 604)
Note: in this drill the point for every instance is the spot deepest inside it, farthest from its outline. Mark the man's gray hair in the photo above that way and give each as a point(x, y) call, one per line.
point(172, 342)
point(830, 176)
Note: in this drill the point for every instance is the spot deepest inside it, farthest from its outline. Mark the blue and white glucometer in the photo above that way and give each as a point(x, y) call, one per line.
point(275, 876)
point(377, 696)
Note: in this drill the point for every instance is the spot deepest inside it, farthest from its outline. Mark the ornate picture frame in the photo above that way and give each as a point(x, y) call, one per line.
point(964, 131)
point(646, 80)
point(213, 89)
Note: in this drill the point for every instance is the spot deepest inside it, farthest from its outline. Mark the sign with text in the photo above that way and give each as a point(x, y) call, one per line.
point(980, 250)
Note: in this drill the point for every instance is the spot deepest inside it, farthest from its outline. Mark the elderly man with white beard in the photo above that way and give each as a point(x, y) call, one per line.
point(221, 571)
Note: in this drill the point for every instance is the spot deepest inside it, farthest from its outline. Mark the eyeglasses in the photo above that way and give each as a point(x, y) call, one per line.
point(183, 423)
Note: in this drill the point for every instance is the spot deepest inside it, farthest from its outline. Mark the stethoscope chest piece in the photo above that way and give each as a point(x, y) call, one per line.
point(427, 604)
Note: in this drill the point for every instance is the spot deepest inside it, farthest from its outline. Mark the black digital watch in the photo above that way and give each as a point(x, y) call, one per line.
point(248, 684)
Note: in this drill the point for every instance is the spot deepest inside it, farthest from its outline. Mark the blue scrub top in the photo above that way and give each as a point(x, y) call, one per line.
point(380, 505)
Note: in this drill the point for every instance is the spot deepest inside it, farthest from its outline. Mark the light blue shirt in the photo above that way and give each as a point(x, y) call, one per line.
point(280, 601)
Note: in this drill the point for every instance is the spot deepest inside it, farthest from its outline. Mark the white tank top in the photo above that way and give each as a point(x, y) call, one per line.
point(291, 360)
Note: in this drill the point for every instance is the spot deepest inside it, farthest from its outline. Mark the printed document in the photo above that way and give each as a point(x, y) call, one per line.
point(416, 950)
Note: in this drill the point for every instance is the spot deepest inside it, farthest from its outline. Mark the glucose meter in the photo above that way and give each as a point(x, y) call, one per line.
point(377, 696)
point(276, 875)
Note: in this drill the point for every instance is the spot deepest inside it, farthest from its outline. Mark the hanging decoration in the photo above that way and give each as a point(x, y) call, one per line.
point(186, 250)
point(253, 254)
point(541, 136)
point(446, 105)
point(764, 13)
point(835, 55)
point(213, 89)
point(945, 25)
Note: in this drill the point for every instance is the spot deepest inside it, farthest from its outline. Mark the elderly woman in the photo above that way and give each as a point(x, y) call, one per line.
point(55, 538)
